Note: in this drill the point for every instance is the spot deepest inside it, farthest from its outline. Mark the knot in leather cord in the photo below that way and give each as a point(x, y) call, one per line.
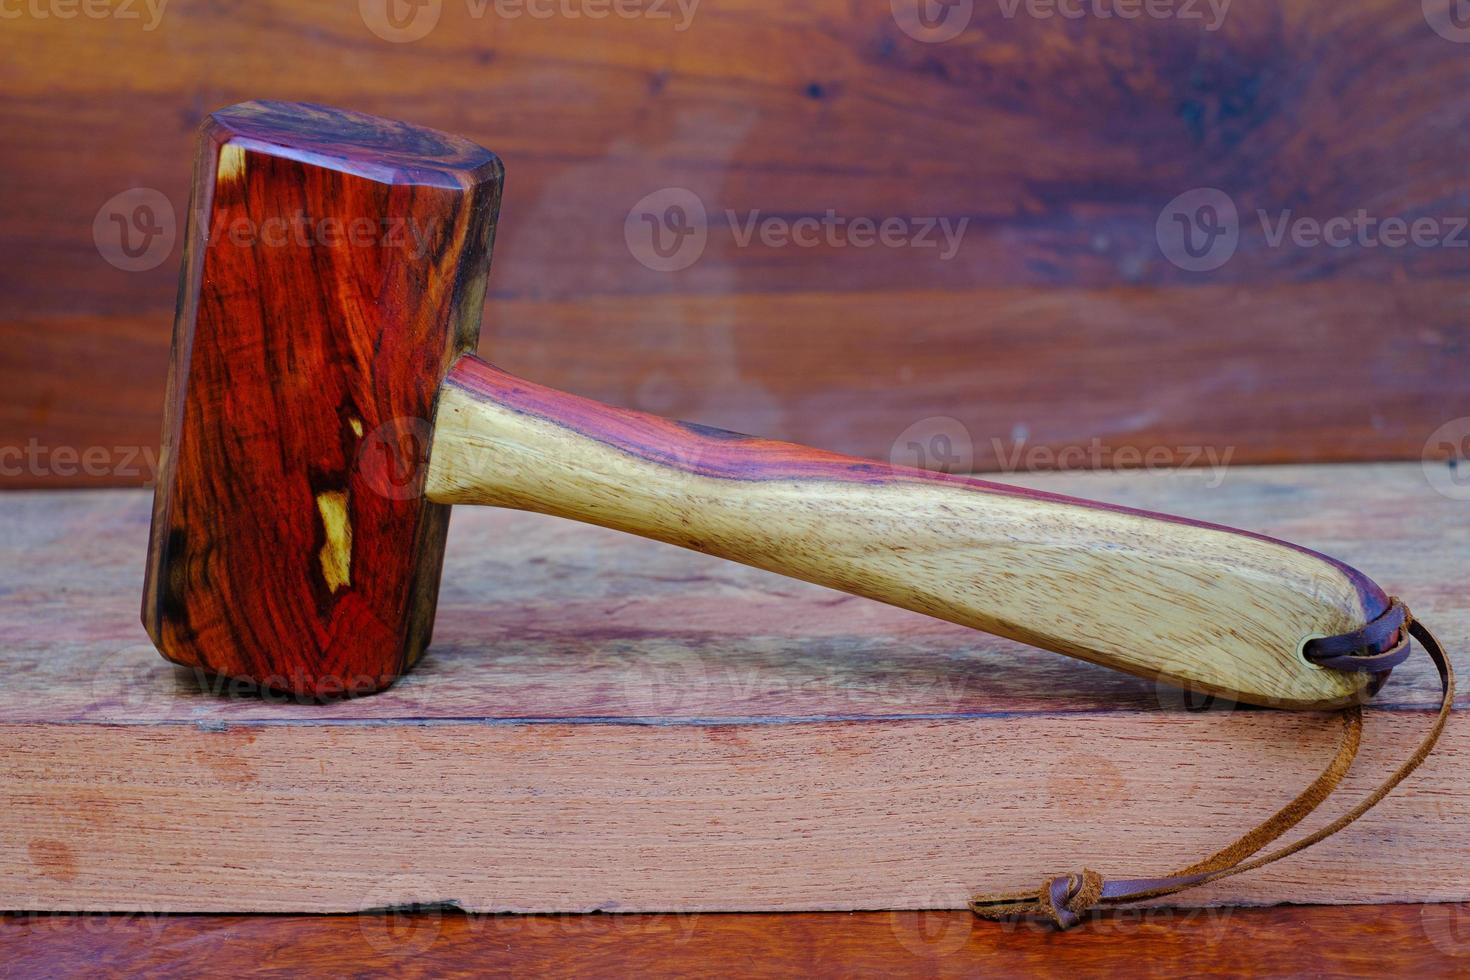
point(1066, 898)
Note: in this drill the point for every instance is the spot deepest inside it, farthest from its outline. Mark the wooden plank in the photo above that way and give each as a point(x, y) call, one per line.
point(506, 817)
point(1047, 133)
point(1017, 380)
point(1059, 317)
point(1340, 941)
point(599, 715)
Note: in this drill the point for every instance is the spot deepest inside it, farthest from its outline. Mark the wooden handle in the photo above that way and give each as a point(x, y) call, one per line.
point(1202, 606)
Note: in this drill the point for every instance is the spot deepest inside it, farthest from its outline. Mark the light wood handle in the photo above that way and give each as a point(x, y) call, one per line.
point(1205, 607)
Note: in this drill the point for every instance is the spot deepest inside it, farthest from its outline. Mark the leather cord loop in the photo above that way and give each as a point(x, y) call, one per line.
point(1380, 646)
point(1067, 898)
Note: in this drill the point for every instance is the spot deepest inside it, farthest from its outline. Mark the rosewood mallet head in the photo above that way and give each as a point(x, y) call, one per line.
point(334, 269)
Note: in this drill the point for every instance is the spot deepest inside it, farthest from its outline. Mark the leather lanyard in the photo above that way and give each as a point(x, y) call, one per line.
point(1381, 644)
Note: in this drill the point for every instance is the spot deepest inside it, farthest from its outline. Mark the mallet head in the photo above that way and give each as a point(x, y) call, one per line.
point(334, 269)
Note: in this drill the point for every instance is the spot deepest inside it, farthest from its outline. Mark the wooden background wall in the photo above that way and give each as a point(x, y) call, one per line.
point(1059, 320)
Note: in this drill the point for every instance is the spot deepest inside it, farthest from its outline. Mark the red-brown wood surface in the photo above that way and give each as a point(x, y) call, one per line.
point(1343, 941)
point(1057, 321)
point(336, 268)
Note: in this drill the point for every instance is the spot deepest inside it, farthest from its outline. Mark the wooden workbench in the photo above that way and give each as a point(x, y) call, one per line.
point(606, 723)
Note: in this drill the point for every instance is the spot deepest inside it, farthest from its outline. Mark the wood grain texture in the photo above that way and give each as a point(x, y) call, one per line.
point(1205, 607)
point(609, 816)
point(616, 723)
point(336, 268)
point(1346, 941)
point(1060, 141)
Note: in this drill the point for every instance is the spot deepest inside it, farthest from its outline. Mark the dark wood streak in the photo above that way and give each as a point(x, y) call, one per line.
point(295, 346)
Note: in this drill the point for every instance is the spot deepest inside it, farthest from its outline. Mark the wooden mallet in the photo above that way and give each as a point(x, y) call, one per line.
point(325, 407)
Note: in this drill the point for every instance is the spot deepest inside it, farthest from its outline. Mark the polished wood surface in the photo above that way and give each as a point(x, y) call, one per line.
point(1208, 608)
point(606, 722)
point(1058, 321)
point(1346, 941)
point(336, 269)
